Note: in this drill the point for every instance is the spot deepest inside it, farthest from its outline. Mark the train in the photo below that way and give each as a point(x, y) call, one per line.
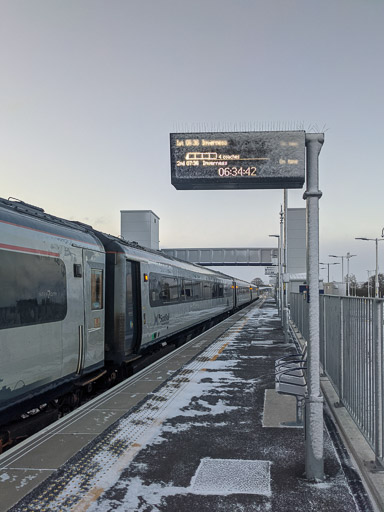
point(78, 305)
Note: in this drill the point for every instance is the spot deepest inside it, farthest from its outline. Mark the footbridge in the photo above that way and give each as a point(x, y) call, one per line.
point(257, 257)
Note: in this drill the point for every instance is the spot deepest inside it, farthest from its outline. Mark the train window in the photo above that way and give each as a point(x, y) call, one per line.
point(183, 290)
point(33, 289)
point(163, 289)
point(154, 289)
point(130, 316)
point(217, 290)
point(96, 288)
point(207, 289)
point(196, 290)
point(169, 289)
point(188, 292)
point(193, 290)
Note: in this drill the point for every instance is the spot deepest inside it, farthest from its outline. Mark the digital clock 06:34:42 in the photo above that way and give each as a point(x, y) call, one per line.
point(226, 172)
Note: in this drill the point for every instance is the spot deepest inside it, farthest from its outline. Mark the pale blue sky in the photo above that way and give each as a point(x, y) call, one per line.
point(91, 89)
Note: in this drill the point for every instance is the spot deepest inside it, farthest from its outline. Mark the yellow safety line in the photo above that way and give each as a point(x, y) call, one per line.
point(219, 352)
point(223, 347)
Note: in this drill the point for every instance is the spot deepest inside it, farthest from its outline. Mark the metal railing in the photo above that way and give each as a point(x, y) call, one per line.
point(351, 353)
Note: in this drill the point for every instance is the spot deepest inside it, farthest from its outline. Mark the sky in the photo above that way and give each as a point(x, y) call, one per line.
point(90, 91)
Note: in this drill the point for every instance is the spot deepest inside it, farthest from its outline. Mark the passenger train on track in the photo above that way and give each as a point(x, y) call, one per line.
point(78, 305)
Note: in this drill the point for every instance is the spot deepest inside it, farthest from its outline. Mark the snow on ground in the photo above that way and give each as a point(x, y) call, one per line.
point(184, 404)
point(146, 427)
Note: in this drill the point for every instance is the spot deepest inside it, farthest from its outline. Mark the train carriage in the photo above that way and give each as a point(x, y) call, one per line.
point(244, 293)
point(151, 297)
point(51, 302)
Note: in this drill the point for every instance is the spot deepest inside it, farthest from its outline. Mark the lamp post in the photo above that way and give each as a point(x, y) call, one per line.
point(348, 256)
point(376, 240)
point(336, 263)
point(368, 271)
point(279, 294)
point(342, 264)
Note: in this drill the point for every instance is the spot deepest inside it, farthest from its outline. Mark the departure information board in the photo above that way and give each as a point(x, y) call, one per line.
point(237, 160)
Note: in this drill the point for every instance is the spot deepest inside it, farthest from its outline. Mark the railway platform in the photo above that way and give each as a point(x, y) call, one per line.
point(201, 430)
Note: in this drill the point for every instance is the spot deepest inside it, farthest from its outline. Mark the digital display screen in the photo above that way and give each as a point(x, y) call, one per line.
point(237, 160)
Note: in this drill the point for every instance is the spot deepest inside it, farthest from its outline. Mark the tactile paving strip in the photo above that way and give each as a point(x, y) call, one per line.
point(85, 478)
point(228, 476)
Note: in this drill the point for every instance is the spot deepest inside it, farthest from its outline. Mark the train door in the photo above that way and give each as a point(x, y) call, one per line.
point(234, 294)
point(91, 343)
point(133, 325)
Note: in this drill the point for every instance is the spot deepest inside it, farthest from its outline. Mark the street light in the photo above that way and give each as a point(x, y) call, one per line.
point(348, 256)
point(280, 302)
point(377, 240)
point(336, 263)
point(368, 271)
point(342, 264)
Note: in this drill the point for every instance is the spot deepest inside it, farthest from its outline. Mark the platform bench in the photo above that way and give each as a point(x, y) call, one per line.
point(290, 379)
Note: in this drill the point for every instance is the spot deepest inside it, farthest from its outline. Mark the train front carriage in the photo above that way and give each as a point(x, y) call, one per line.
point(51, 303)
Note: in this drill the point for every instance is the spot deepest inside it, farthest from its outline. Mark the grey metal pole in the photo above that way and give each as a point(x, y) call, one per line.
point(278, 287)
point(285, 230)
point(378, 341)
point(285, 285)
point(314, 449)
point(377, 270)
point(281, 266)
point(279, 276)
point(348, 274)
point(349, 256)
point(341, 349)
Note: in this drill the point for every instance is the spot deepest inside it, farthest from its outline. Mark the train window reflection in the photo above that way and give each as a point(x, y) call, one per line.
point(165, 290)
point(96, 289)
point(33, 289)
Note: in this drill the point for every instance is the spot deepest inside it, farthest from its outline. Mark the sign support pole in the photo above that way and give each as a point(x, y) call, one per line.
point(281, 269)
point(314, 448)
point(286, 282)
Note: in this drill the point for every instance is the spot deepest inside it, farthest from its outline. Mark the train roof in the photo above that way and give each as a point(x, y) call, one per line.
point(33, 217)
point(119, 244)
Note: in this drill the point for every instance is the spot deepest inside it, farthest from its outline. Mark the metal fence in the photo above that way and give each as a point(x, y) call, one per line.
point(351, 353)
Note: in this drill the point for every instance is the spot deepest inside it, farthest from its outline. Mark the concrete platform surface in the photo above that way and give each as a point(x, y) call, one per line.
point(213, 437)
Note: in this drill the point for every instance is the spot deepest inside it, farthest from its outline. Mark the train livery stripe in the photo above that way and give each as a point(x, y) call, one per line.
point(49, 232)
point(28, 249)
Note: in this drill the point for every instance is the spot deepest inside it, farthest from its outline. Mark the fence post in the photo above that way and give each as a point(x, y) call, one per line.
point(302, 302)
point(323, 342)
point(341, 350)
point(378, 343)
